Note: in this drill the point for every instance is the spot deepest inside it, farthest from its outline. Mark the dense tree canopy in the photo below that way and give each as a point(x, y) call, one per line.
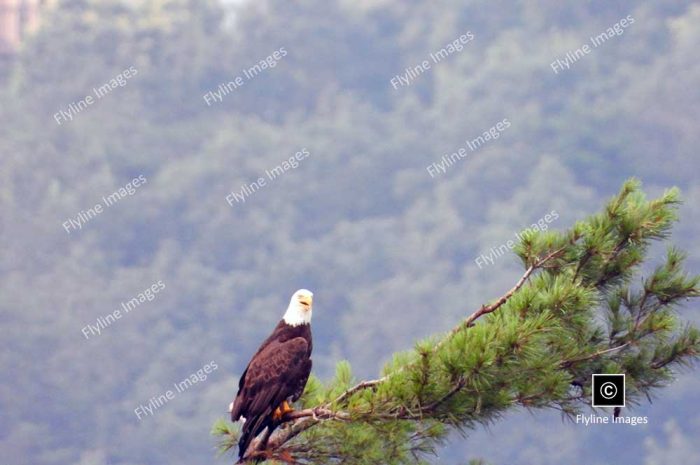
point(360, 221)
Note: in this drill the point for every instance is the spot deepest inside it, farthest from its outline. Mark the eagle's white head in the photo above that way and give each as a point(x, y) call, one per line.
point(299, 310)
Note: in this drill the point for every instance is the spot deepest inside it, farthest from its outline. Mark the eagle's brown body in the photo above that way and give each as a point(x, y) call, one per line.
point(277, 373)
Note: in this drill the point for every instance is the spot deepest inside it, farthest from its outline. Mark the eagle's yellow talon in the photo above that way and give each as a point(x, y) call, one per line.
point(286, 408)
point(281, 410)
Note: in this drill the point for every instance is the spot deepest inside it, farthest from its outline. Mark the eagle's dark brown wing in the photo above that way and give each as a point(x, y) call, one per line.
point(273, 375)
point(299, 390)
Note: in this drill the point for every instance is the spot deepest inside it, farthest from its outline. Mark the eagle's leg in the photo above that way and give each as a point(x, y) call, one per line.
point(286, 408)
point(281, 410)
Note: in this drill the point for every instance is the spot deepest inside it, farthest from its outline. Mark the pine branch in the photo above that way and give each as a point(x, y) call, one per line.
point(358, 387)
point(541, 341)
point(307, 418)
point(568, 363)
point(486, 309)
point(467, 322)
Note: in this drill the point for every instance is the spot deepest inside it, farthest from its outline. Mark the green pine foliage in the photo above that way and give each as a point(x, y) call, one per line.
point(578, 312)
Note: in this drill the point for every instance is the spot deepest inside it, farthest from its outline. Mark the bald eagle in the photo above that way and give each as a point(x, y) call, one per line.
point(277, 373)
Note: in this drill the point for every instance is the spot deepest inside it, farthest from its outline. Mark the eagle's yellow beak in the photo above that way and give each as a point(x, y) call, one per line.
point(306, 300)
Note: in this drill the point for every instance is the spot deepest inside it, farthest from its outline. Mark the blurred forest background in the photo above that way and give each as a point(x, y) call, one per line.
point(388, 250)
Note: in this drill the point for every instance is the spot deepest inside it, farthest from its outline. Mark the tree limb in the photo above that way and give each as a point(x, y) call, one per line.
point(485, 309)
point(469, 321)
point(568, 363)
point(307, 418)
point(359, 387)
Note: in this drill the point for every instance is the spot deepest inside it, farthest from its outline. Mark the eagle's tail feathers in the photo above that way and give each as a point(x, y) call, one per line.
point(251, 429)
